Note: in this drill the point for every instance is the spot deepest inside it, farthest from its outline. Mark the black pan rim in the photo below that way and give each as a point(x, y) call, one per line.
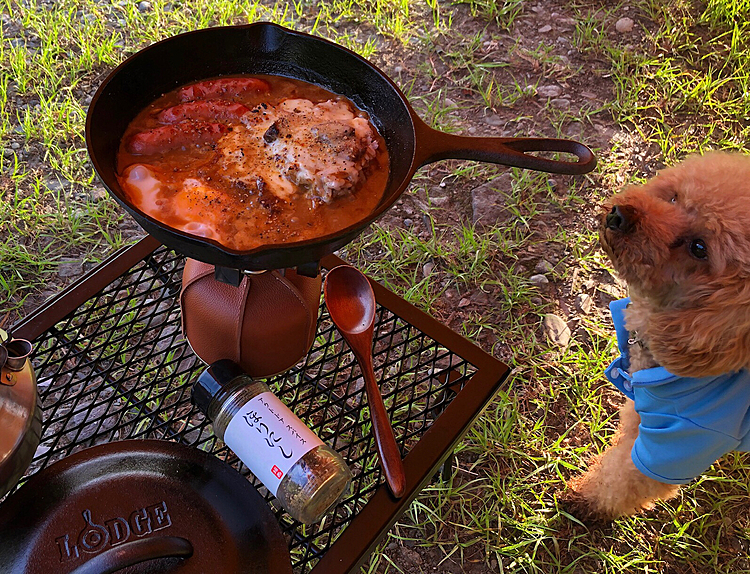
point(269, 250)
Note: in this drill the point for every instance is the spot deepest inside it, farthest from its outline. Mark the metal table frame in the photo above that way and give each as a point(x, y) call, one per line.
point(368, 527)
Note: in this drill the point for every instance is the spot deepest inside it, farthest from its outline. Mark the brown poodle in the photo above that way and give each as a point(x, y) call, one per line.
point(682, 243)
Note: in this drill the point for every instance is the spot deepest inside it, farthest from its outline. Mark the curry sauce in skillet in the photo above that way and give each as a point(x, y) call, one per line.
point(253, 160)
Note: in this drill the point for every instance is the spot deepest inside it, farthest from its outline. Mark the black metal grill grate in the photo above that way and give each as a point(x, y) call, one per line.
point(117, 367)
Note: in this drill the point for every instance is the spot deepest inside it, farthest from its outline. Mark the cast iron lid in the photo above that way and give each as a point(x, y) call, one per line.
point(140, 506)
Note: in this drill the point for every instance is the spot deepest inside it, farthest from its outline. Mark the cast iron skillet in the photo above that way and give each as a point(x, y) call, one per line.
point(265, 48)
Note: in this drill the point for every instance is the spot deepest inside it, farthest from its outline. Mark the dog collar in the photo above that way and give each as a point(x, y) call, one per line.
point(618, 371)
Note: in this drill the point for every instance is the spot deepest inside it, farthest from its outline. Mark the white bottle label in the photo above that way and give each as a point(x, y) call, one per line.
point(269, 438)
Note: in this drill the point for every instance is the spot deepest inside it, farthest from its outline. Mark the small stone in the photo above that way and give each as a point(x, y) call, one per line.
point(144, 6)
point(494, 120)
point(56, 184)
point(538, 279)
point(480, 297)
point(464, 302)
point(15, 145)
point(584, 302)
point(97, 194)
point(545, 29)
point(624, 25)
point(69, 268)
point(543, 266)
point(549, 91)
point(556, 330)
point(427, 268)
point(488, 201)
point(575, 130)
point(408, 222)
point(560, 103)
point(410, 556)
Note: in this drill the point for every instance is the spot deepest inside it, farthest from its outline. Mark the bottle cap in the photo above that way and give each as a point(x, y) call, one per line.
point(212, 380)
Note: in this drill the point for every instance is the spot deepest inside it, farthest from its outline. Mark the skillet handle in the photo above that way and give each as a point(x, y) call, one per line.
point(434, 145)
point(131, 553)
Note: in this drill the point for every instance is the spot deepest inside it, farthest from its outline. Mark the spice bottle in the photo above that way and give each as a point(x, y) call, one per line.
point(304, 474)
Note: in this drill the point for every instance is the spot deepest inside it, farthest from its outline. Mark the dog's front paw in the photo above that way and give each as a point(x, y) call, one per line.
point(587, 511)
point(598, 496)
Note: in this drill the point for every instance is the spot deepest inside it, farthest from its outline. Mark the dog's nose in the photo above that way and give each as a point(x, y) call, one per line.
point(617, 221)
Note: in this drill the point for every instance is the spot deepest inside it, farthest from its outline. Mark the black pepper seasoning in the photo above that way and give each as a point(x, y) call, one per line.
point(306, 475)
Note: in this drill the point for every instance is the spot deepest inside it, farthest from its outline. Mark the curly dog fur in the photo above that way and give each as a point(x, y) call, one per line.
point(682, 244)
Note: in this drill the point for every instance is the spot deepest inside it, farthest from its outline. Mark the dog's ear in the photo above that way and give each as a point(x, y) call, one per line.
point(711, 336)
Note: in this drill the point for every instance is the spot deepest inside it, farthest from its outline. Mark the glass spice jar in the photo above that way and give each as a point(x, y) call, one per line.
point(304, 474)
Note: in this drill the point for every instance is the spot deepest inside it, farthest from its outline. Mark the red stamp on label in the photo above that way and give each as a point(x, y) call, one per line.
point(277, 471)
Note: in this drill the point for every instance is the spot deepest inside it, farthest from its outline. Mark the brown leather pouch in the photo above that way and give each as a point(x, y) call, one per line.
point(266, 325)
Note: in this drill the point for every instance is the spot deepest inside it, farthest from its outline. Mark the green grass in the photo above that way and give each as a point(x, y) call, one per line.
point(686, 90)
point(503, 12)
point(677, 85)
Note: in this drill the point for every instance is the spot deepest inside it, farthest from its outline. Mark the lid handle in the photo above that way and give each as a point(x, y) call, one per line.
point(131, 553)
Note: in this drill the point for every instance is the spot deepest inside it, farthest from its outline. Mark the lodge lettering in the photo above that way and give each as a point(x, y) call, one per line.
point(97, 535)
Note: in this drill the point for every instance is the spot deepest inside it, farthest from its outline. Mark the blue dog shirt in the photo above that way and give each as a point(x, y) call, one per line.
point(686, 423)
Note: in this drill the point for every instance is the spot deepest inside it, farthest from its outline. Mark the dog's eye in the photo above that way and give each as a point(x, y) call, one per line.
point(698, 249)
point(674, 198)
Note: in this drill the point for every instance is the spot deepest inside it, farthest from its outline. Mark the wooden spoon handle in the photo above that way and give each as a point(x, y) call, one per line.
point(385, 441)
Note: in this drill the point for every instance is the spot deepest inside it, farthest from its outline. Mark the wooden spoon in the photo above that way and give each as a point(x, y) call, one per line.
point(351, 305)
